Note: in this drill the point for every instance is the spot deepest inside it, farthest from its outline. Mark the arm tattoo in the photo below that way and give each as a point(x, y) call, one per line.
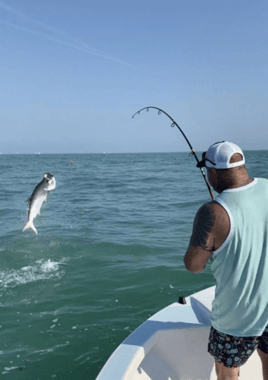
point(203, 224)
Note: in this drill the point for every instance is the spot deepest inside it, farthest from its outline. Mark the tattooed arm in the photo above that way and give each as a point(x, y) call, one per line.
point(202, 240)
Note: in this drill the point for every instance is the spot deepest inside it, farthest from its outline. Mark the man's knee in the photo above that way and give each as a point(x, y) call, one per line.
point(226, 373)
point(264, 360)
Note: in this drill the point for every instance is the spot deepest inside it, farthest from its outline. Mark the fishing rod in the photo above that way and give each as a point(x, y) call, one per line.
point(188, 142)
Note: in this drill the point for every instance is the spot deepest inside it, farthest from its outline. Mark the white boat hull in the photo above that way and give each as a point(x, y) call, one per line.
point(172, 345)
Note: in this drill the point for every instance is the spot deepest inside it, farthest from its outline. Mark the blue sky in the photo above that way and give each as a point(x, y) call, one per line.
point(73, 72)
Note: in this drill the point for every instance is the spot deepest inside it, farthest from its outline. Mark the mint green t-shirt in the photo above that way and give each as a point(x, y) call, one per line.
point(240, 265)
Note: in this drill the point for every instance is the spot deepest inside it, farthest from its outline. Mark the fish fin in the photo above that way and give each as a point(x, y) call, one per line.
point(29, 226)
point(46, 196)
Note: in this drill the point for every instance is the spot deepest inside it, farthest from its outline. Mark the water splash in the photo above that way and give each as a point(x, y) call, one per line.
point(50, 266)
point(41, 270)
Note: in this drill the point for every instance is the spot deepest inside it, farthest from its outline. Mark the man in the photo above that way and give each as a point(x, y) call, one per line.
point(232, 231)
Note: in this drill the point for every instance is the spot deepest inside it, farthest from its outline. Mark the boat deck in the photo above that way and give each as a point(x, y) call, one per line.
point(172, 345)
point(191, 362)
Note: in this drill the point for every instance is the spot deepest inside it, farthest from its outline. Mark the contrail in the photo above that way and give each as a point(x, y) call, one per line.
point(27, 18)
point(76, 45)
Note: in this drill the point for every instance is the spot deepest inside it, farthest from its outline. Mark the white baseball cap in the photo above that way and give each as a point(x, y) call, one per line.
point(219, 154)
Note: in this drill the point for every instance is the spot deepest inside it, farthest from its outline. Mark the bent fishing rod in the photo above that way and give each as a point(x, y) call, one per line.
point(188, 142)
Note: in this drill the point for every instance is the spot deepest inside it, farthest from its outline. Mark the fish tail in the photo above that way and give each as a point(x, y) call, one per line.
point(29, 226)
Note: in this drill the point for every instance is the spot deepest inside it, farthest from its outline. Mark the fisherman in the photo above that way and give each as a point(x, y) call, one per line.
point(232, 231)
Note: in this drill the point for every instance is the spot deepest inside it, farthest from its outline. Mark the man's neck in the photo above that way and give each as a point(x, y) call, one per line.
point(240, 183)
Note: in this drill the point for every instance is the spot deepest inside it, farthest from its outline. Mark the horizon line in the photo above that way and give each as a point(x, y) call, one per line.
point(181, 151)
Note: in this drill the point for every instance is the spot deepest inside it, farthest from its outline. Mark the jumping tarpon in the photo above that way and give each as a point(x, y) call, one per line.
point(37, 198)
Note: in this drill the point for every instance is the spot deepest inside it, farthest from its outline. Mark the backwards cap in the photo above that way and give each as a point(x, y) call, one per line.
point(219, 154)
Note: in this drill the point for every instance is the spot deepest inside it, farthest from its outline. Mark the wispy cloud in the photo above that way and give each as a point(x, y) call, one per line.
point(53, 34)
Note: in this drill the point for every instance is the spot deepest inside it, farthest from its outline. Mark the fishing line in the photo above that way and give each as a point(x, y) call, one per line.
point(188, 142)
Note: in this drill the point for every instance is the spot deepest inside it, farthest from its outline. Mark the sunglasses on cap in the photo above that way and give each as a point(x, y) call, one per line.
point(202, 164)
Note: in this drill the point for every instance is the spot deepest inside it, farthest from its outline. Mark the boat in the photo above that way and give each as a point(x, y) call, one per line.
point(172, 345)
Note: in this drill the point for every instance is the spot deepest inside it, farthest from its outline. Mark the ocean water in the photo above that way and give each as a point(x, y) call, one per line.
point(108, 254)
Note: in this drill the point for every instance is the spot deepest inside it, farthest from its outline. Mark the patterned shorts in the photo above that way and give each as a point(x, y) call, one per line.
point(233, 351)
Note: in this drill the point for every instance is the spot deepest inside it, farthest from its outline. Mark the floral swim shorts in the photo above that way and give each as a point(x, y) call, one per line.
point(234, 351)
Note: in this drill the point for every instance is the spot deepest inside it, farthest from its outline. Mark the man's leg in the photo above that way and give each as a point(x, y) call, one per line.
point(226, 373)
point(264, 360)
point(230, 352)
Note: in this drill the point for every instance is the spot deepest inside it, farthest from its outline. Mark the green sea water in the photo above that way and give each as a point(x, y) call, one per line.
point(108, 254)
